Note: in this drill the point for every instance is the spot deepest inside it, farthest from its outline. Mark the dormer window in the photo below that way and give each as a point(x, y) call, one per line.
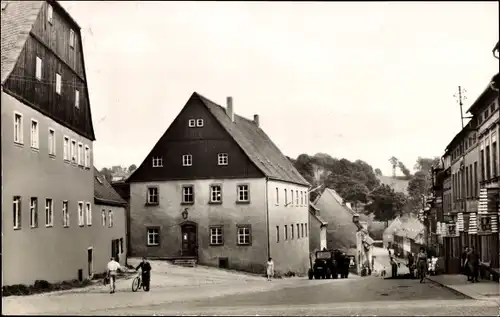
point(71, 38)
point(222, 159)
point(50, 12)
point(192, 123)
point(187, 160)
point(157, 161)
point(199, 122)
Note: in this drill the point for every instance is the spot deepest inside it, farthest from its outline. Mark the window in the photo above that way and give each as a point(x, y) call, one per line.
point(66, 148)
point(87, 156)
point(88, 212)
point(153, 198)
point(71, 38)
point(488, 166)
point(277, 233)
point(298, 231)
point(494, 158)
point(77, 99)
point(49, 212)
point(222, 158)
point(65, 214)
point(33, 212)
point(286, 232)
point(296, 198)
point(466, 181)
point(80, 154)
point(192, 123)
point(52, 142)
point(286, 198)
point(187, 160)
point(215, 193)
point(302, 227)
point(34, 134)
point(482, 165)
point(243, 193)
point(291, 200)
point(157, 161)
point(81, 218)
point(153, 236)
point(199, 122)
point(73, 151)
point(103, 218)
point(476, 185)
point(38, 68)
point(16, 212)
point(49, 13)
point(244, 235)
point(486, 114)
point(291, 231)
point(187, 194)
point(18, 128)
point(58, 84)
point(302, 198)
point(305, 226)
point(110, 218)
point(277, 196)
point(216, 237)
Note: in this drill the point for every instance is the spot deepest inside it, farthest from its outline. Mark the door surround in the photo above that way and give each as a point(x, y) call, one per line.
point(193, 249)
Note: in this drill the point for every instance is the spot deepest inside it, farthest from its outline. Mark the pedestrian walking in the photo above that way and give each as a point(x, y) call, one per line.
point(422, 264)
point(473, 264)
point(394, 268)
point(270, 269)
point(112, 271)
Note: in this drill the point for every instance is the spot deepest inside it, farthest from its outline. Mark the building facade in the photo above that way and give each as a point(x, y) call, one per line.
point(47, 145)
point(217, 189)
point(317, 230)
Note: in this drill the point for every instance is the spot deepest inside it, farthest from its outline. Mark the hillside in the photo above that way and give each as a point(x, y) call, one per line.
point(399, 185)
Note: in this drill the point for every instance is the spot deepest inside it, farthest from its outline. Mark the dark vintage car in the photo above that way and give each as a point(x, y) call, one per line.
point(325, 265)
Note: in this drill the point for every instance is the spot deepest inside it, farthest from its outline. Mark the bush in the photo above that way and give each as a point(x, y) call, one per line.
point(16, 289)
point(42, 285)
point(289, 274)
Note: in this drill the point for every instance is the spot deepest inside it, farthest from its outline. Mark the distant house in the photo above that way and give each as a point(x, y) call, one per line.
point(217, 189)
point(410, 236)
point(388, 236)
point(112, 221)
point(317, 230)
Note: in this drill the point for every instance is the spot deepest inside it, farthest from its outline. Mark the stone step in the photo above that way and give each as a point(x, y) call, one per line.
point(183, 262)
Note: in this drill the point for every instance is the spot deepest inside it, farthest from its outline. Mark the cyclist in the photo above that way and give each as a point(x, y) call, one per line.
point(422, 264)
point(112, 271)
point(145, 272)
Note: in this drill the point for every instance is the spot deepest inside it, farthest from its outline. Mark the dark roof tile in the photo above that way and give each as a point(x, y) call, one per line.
point(104, 192)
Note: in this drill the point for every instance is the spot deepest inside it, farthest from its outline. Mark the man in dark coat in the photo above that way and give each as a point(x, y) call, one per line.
point(145, 272)
point(473, 264)
point(463, 263)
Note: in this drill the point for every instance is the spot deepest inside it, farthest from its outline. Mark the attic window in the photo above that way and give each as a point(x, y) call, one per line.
point(49, 13)
point(199, 122)
point(71, 38)
point(4, 5)
point(98, 179)
point(192, 123)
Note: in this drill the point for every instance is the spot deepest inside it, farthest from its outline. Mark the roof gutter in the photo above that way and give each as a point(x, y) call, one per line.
point(267, 219)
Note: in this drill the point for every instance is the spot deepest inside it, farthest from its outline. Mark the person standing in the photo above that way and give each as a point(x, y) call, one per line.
point(411, 264)
point(145, 273)
point(394, 268)
point(473, 264)
point(463, 263)
point(113, 268)
point(422, 264)
point(270, 269)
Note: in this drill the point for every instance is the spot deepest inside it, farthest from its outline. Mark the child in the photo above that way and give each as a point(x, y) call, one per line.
point(270, 269)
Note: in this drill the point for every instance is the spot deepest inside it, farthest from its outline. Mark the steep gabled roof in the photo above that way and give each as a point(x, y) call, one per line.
point(256, 145)
point(313, 210)
point(410, 228)
point(17, 19)
point(104, 194)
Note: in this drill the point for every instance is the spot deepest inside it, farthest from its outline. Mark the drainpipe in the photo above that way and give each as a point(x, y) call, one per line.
point(267, 220)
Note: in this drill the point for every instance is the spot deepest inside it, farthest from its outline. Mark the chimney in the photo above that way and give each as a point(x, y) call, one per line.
point(229, 108)
point(256, 119)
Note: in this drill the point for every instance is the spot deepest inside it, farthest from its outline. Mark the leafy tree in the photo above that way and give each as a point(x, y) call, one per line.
point(378, 172)
point(107, 173)
point(385, 204)
point(132, 168)
point(406, 172)
point(394, 162)
point(425, 164)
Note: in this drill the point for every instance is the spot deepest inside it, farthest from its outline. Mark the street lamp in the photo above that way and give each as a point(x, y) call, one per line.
point(184, 213)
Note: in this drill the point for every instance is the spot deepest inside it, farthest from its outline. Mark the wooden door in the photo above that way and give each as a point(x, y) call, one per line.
point(90, 261)
point(189, 240)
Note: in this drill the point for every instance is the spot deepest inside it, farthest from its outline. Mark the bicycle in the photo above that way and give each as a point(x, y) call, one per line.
point(137, 283)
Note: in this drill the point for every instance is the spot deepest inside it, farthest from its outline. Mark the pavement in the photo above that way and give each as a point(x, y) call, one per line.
point(484, 290)
point(210, 291)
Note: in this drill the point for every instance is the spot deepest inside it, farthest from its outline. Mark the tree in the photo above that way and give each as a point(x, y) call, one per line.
point(378, 172)
point(425, 164)
point(132, 168)
point(107, 173)
point(385, 204)
point(394, 162)
point(406, 172)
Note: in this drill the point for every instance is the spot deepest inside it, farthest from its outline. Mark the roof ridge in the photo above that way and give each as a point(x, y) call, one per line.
point(223, 108)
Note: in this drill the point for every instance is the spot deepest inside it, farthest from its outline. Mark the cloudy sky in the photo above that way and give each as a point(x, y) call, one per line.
point(354, 80)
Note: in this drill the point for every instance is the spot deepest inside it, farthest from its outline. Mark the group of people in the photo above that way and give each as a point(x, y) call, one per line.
point(470, 261)
point(420, 264)
point(114, 267)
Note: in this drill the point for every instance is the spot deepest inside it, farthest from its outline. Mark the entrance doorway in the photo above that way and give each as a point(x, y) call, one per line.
point(189, 240)
point(90, 261)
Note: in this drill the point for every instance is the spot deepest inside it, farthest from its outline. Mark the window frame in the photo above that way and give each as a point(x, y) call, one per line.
point(158, 160)
point(35, 139)
point(221, 157)
point(216, 235)
point(111, 220)
point(16, 212)
point(211, 191)
point(104, 218)
point(81, 213)
point(298, 231)
point(38, 68)
point(50, 13)
point(33, 212)
point(244, 226)
point(58, 85)
point(80, 154)
point(77, 99)
point(183, 201)
point(187, 160)
point(86, 157)
point(238, 187)
point(73, 150)
point(148, 196)
point(72, 38)
point(65, 214)
point(49, 211)
point(199, 123)
point(277, 197)
point(192, 123)
point(157, 234)
point(19, 132)
point(66, 149)
point(52, 143)
point(88, 213)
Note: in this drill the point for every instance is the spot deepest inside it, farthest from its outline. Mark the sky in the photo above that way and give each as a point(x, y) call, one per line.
point(356, 80)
